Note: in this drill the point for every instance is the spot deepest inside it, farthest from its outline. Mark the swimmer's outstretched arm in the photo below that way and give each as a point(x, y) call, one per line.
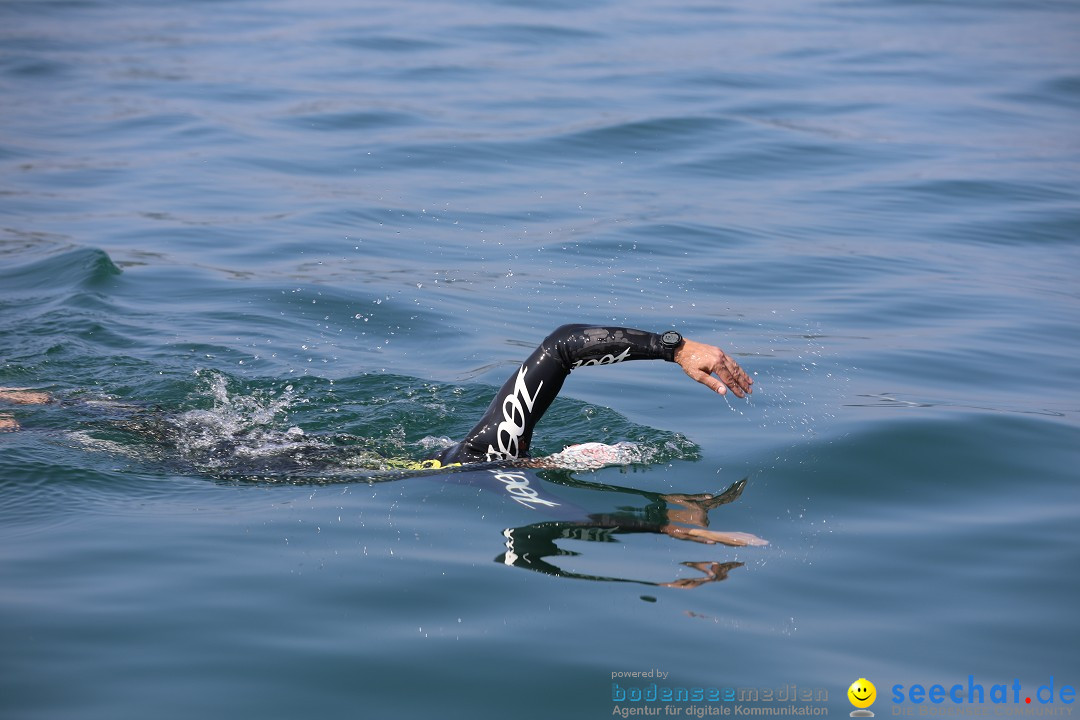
point(505, 430)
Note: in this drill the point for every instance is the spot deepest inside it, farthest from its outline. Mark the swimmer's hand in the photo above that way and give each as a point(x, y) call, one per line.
point(701, 362)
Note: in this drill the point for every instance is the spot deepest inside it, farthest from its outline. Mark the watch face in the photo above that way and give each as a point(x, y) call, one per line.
point(671, 338)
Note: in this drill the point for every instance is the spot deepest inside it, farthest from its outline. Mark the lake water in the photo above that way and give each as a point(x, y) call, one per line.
point(236, 236)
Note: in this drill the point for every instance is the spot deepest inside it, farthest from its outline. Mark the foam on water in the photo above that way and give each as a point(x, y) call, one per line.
point(237, 426)
point(593, 456)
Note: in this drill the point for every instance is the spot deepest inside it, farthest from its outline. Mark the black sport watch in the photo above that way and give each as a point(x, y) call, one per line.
point(671, 340)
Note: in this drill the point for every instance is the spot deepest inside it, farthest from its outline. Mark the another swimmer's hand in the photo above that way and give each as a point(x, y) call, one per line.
point(702, 362)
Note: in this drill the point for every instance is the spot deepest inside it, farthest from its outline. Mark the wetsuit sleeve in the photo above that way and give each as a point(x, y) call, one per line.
point(505, 430)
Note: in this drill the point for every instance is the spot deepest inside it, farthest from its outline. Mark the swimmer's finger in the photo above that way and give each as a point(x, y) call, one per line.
point(735, 377)
point(726, 380)
point(708, 381)
point(729, 381)
point(714, 383)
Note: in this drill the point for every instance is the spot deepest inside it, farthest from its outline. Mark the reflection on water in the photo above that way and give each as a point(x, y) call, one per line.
point(685, 517)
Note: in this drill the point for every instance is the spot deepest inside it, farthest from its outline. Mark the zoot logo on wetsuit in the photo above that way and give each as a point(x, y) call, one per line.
point(515, 410)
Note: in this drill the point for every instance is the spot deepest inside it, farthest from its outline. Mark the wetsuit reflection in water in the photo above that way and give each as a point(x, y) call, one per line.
point(530, 546)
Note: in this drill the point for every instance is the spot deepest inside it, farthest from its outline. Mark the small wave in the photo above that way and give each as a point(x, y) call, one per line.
point(67, 267)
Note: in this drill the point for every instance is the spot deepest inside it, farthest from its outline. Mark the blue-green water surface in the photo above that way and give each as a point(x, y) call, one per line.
point(236, 237)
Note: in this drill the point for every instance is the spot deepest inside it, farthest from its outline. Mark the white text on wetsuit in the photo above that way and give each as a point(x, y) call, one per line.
point(514, 421)
point(608, 359)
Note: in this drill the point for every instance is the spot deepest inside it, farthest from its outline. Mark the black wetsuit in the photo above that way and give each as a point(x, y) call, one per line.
point(505, 430)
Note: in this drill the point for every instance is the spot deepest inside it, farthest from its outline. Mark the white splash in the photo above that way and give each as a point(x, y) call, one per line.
point(594, 455)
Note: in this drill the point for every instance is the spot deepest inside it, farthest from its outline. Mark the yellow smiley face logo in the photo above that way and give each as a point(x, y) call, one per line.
point(862, 693)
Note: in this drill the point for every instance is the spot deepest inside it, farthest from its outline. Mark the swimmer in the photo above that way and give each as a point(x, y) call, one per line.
point(505, 431)
point(501, 439)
